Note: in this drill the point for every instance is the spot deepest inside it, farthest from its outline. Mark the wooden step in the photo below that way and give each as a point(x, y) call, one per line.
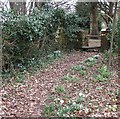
point(93, 36)
point(88, 47)
point(94, 43)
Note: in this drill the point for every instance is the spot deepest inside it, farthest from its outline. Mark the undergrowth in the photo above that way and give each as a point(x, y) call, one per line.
point(18, 76)
point(60, 105)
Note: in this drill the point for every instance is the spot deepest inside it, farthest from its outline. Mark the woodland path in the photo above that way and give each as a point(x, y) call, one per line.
point(28, 99)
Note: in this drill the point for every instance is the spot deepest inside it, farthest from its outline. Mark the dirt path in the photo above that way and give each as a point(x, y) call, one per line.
point(28, 100)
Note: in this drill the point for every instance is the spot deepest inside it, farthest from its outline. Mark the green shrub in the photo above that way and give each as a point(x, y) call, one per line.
point(27, 37)
point(20, 34)
point(60, 89)
point(103, 74)
point(104, 71)
point(23, 36)
point(82, 72)
point(72, 78)
point(60, 108)
point(72, 31)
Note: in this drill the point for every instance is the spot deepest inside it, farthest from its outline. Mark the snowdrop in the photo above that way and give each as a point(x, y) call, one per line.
point(74, 103)
point(61, 102)
point(81, 94)
point(96, 56)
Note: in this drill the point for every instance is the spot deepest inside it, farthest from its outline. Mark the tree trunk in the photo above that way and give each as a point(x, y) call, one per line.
point(23, 8)
point(110, 13)
point(107, 8)
point(39, 4)
point(13, 6)
point(18, 7)
point(113, 33)
point(93, 19)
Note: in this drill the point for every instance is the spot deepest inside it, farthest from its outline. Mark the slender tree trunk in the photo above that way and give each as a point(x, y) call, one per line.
point(111, 5)
point(18, 7)
point(39, 4)
point(110, 12)
point(113, 33)
point(23, 8)
point(93, 19)
point(13, 6)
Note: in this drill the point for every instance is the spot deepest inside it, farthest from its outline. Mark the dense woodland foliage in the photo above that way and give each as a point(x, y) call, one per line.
point(28, 37)
point(59, 63)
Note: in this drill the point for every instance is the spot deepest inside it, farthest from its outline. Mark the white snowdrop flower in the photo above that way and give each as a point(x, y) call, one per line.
point(74, 103)
point(57, 99)
point(81, 94)
point(91, 59)
point(81, 106)
point(67, 107)
point(115, 106)
point(57, 113)
point(69, 101)
point(86, 110)
point(67, 115)
point(82, 62)
point(96, 56)
point(61, 102)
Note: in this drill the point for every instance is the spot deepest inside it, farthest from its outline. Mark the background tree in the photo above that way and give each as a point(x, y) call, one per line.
point(18, 7)
point(113, 33)
point(39, 5)
point(107, 8)
point(88, 15)
point(93, 19)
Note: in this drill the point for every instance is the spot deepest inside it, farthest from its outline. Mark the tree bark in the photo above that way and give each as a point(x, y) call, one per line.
point(93, 19)
point(39, 4)
point(111, 5)
point(13, 6)
point(18, 7)
point(113, 33)
point(23, 8)
point(107, 8)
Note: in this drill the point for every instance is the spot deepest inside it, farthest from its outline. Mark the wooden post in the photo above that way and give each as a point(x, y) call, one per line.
point(105, 43)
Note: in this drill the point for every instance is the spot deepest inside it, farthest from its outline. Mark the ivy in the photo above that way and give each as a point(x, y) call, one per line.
point(23, 35)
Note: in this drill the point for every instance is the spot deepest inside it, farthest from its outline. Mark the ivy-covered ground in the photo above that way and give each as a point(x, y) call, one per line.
point(80, 84)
